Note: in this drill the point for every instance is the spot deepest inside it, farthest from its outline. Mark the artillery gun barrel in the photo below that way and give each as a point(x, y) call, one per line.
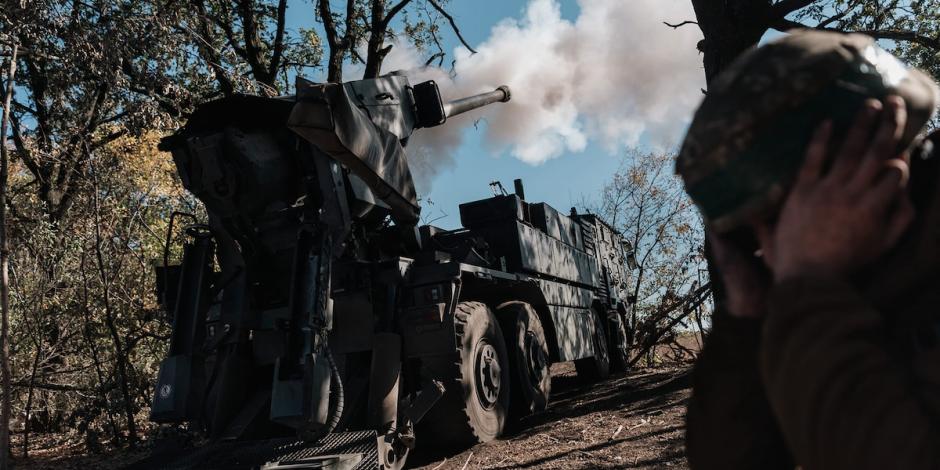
point(470, 103)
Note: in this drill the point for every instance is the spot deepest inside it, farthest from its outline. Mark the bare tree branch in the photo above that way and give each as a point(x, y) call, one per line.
point(212, 57)
point(22, 149)
point(679, 25)
point(785, 7)
point(251, 36)
point(439, 56)
point(784, 24)
point(453, 24)
point(278, 39)
point(687, 304)
point(337, 47)
point(61, 387)
point(329, 26)
point(5, 372)
point(392, 12)
point(349, 32)
point(224, 22)
point(908, 36)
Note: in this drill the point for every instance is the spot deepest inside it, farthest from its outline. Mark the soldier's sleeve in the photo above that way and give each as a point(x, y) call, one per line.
point(729, 422)
point(840, 398)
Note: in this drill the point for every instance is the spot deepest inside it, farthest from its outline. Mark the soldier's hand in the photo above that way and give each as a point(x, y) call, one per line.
point(745, 278)
point(834, 222)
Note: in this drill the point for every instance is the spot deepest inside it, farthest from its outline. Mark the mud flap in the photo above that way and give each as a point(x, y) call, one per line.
point(171, 402)
point(290, 407)
point(181, 381)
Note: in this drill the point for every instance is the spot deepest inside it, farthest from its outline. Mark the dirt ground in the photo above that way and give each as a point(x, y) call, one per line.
point(634, 420)
point(51, 453)
point(630, 421)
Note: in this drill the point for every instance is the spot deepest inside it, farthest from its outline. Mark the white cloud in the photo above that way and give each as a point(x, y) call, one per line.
point(615, 75)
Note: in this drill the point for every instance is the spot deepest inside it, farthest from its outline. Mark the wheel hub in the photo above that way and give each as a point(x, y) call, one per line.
point(535, 359)
point(488, 373)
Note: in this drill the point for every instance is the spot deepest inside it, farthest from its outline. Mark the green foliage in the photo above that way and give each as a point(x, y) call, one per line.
point(98, 83)
point(909, 28)
point(82, 294)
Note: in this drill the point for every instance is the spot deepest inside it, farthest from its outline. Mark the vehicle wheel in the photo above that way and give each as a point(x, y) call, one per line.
point(597, 367)
point(474, 407)
point(618, 347)
point(529, 361)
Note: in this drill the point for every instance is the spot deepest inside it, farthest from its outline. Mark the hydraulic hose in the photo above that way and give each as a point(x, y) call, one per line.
point(340, 397)
point(336, 393)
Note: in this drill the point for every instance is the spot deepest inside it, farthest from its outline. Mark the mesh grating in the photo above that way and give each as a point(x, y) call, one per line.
point(253, 454)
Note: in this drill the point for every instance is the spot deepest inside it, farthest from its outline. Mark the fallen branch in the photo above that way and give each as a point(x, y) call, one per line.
point(467, 462)
point(57, 387)
point(653, 334)
point(617, 432)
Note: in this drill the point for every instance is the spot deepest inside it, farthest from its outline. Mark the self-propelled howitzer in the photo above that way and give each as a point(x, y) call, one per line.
point(311, 312)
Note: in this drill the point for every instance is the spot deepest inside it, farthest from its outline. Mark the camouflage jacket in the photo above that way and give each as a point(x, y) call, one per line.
point(840, 374)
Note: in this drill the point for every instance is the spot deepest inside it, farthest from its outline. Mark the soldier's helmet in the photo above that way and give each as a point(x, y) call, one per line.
point(748, 138)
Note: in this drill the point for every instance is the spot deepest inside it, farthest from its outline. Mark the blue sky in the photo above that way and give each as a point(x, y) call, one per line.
point(563, 182)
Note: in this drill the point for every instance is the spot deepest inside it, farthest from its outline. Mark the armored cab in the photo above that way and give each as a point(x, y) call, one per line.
point(316, 324)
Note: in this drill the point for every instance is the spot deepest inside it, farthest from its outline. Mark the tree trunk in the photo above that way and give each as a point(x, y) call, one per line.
point(4, 274)
point(90, 344)
point(31, 389)
point(121, 359)
point(120, 355)
point(336, 46)
point(729, 28)
point(377, 50)
point(335, 66)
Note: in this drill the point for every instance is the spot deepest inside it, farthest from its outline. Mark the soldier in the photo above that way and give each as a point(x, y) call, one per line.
point(808, 163)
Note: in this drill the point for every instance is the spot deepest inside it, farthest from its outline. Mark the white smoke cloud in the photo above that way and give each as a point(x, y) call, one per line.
point(615, 75)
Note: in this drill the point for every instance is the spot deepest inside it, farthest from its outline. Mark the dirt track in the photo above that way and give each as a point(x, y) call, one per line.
point(630, 421)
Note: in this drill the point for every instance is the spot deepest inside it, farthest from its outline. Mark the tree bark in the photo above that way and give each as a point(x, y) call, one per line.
point(377, 50)
point(278, 46)
point(253, 45)
point(729, 28)
point(380, 24)
point(4, 273)
point(29, 398)
point(336, 48)
point(86, 330)
point(212, 58)
point(120, 355)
